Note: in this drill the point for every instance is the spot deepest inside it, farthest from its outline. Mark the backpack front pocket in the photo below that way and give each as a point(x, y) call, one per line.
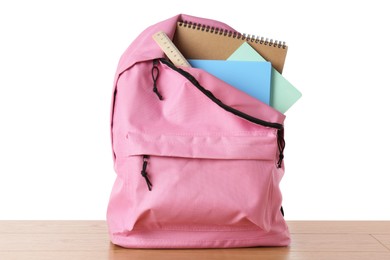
point(201, 194)
point(176, 186)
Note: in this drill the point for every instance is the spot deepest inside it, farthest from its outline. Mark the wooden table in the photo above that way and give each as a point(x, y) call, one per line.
point(314, 240)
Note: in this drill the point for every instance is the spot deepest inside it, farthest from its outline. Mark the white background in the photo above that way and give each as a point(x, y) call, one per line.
point(57, 65)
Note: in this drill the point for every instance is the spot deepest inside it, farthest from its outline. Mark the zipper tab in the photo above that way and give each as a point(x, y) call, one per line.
point(281, 145)
point(155, 73)
point(144, 173)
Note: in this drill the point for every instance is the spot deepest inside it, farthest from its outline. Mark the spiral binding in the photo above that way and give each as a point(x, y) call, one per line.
point(243, 36)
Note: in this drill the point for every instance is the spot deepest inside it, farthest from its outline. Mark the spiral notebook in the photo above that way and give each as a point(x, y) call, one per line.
point(197, 41)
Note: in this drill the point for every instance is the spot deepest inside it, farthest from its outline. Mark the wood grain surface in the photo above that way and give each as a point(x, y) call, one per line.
point(89, 240)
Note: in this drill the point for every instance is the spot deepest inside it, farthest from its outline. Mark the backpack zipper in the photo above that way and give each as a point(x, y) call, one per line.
point(210, 95)
point(144, 173)
point(155, 74)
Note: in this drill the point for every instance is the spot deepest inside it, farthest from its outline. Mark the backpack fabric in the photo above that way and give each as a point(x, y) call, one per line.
point(198, 162)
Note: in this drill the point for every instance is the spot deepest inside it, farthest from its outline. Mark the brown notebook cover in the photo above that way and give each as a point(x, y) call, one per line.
point(202, 42)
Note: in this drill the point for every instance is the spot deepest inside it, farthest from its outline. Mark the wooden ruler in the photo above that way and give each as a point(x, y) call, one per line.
point(170, 49)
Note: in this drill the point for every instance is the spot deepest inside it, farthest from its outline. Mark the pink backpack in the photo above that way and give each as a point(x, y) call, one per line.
point(198, 161)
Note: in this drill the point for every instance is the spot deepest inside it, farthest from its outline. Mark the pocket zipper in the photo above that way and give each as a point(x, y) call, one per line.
point(144, 173)
point(210, 95)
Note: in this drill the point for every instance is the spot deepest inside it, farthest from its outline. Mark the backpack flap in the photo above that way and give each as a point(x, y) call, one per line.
point(187, 122)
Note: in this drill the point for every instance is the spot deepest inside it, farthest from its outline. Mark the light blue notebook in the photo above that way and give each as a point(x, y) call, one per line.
point(252, 77)
point(283, 93)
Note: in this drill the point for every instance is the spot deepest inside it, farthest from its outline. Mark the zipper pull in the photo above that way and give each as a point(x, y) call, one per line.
point(145, 174)
point(281, 145)
point(155, 73)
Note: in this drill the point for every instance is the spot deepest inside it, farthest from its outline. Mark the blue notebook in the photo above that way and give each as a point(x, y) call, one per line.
point(252, 77)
